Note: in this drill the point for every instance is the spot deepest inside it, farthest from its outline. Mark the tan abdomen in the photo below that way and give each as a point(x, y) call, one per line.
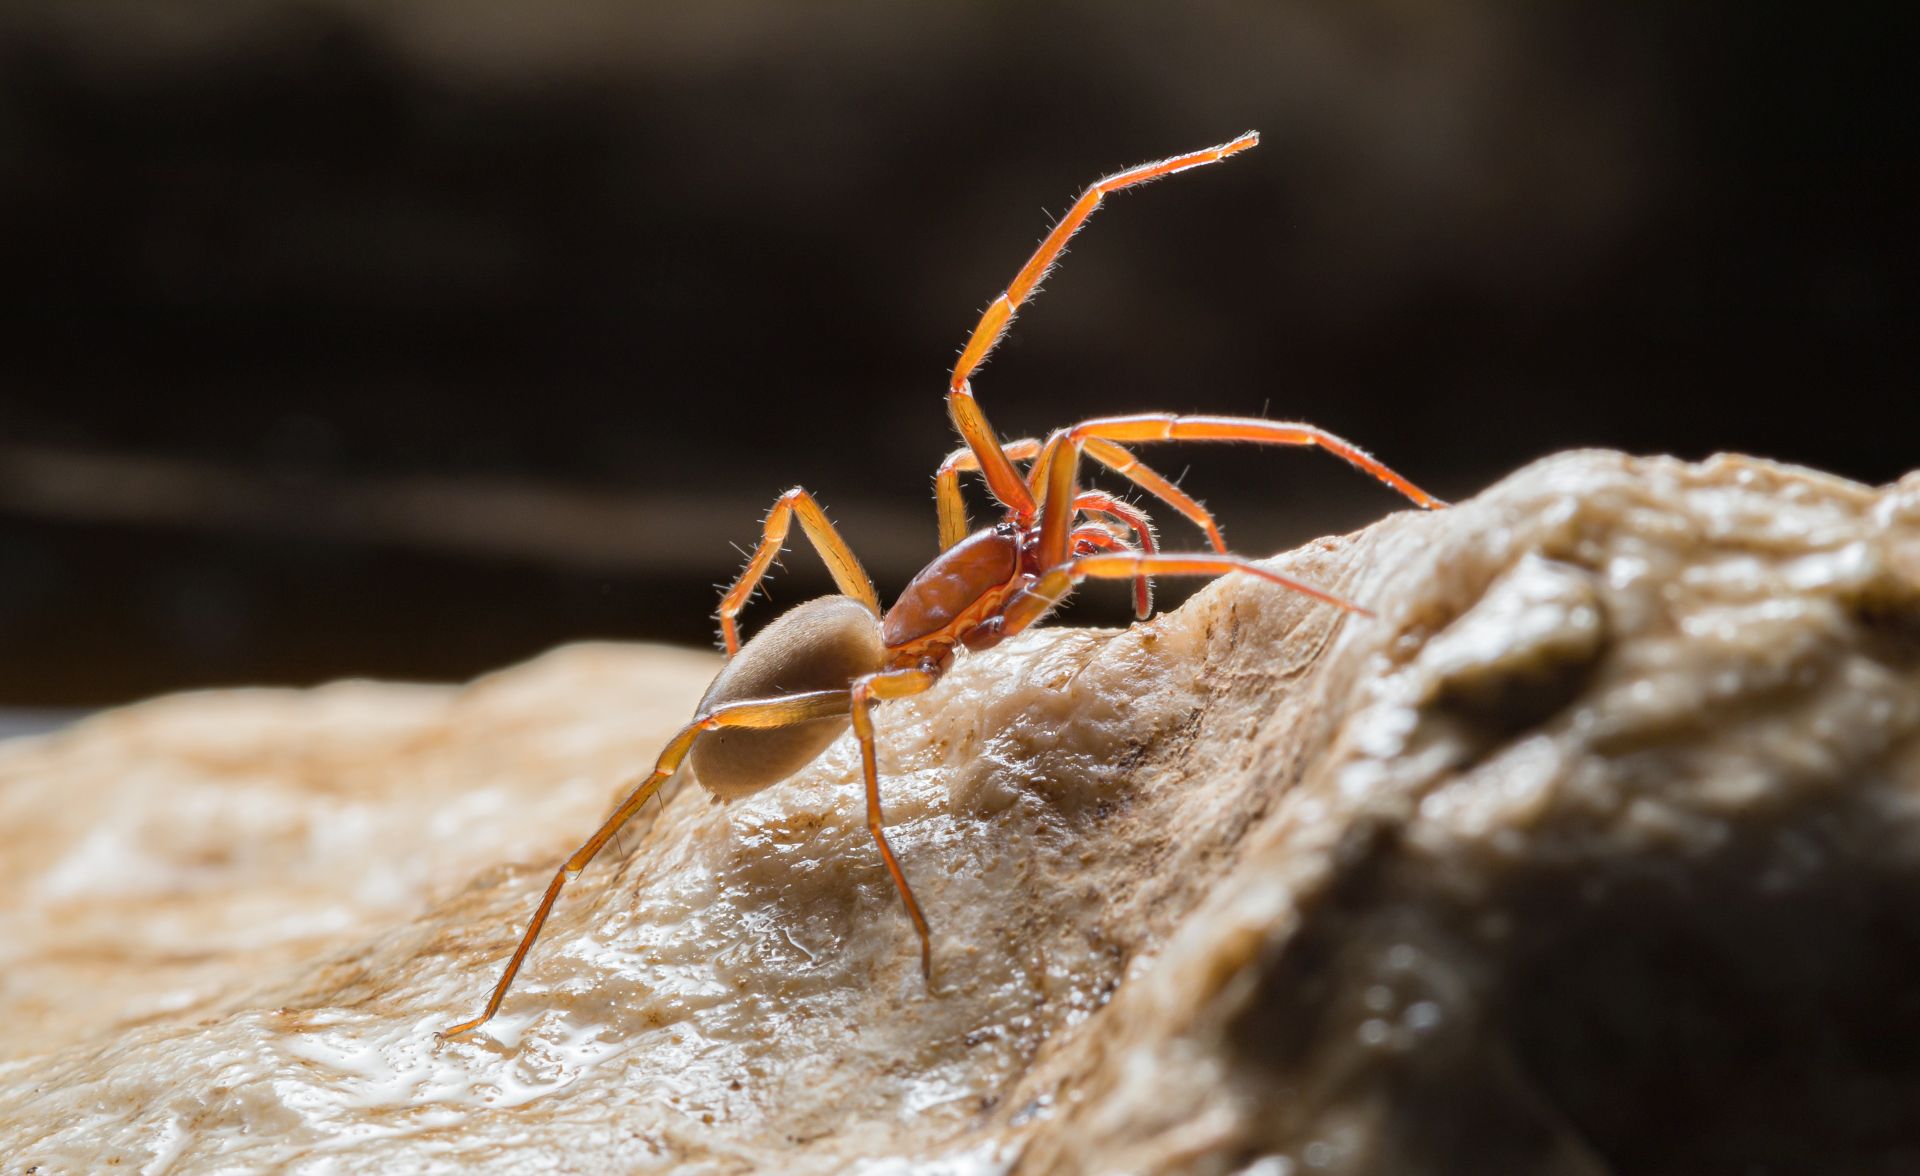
point(820, 645)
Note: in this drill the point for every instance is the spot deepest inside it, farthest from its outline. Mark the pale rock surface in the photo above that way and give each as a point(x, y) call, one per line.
point(1597, 850)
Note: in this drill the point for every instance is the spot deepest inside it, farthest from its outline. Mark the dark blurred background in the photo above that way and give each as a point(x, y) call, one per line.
point(408, 339)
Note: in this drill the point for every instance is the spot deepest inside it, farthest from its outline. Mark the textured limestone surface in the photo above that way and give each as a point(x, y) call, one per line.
point(1598, 849)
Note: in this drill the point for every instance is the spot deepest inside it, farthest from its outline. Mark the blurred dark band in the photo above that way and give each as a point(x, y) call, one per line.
point(409, 338)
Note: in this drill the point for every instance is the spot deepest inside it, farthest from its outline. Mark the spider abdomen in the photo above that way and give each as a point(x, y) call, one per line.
point(823, 644)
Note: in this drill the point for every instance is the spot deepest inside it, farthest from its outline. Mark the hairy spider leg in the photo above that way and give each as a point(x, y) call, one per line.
point(773, 712)
point(1121, 461)
point(1056, 467)
point(953, 511)
point(1056, 585)
point(1093, 538)
point(834, 551)
point(889, 684)
point(1135, 520)
point(947, 500)
point(995, 465)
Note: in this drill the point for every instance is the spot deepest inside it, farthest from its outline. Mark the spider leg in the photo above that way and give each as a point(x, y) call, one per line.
point(1135, 520)
point(953, 511)
point(1121, 462)
point(890, 684)
point(995, 465)
point(839, 558)
point(1055, 467)
point(774, 712)
point(1050, 589)
point(951, 506)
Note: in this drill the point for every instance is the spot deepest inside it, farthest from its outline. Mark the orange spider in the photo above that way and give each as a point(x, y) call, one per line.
point(821, 666)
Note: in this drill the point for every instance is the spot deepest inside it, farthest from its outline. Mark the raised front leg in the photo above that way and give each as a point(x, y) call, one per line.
point(995, 464)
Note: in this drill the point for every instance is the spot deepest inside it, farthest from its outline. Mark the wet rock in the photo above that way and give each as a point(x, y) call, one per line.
point(1597, 850)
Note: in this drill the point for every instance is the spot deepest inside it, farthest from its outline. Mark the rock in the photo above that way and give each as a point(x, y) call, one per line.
point(1598, 849)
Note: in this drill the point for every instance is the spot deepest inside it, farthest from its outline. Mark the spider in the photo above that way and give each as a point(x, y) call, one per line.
point(786, 695)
